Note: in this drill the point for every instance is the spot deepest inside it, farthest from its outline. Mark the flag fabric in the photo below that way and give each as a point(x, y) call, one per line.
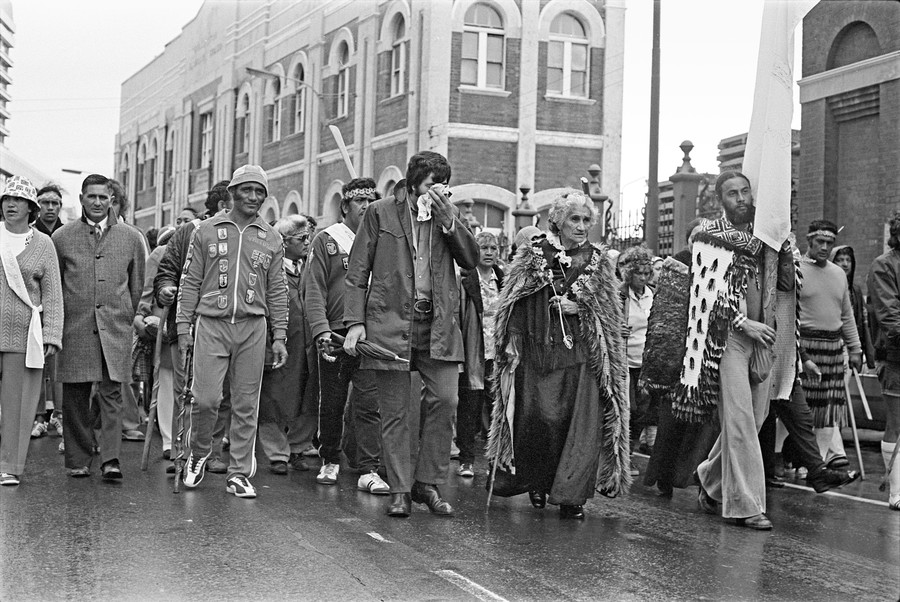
point(767, 158)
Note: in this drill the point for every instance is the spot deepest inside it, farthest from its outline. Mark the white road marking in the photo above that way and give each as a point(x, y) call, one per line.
point(469, 586)
point(377, 537)
point(838, 494)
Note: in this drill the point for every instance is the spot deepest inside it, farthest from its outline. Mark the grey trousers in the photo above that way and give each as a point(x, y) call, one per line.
point(733, 472)
point(237, 350)
point(20, 392)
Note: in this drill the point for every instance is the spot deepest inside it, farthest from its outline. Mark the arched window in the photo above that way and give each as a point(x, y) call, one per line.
point(299, 100)
point(388, 189)
point(343, 81)
point(169, 165)
point(242, 125)
point(124, 172)
point(483, 48)
point(567, 57)
point(398, 56)
point(141, 159)
point(272, 111)
point(151, 165)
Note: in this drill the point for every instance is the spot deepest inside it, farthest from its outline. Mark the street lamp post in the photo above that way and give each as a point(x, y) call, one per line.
point(524, 214)
point(593, 190)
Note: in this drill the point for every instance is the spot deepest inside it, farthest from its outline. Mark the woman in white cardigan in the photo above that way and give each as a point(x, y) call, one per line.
point(31, 320)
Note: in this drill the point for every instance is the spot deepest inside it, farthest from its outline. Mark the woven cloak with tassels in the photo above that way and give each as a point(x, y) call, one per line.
point(596, 292)
point(721, 267)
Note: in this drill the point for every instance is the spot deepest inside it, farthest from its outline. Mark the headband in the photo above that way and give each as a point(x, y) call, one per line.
point(825, 233)
point(358, 192)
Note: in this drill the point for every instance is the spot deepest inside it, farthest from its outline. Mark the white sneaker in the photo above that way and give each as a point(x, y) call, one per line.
point(373, 483)
point(894, 502)
point(194, 470)
point(38, 430)
point(56, 422)
point(240, 486)
point(466, 470)
point(62, 447)
point(328, 474)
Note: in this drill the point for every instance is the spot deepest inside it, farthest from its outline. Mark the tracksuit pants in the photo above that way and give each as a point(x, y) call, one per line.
point(237, 350)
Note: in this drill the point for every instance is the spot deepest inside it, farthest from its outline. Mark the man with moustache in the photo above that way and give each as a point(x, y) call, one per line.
point(101, 262)
point(324, 296)
point(728, 309)
point(402, 294)
point(233, 280)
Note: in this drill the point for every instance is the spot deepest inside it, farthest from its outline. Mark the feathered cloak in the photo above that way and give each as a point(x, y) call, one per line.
point(596, 292)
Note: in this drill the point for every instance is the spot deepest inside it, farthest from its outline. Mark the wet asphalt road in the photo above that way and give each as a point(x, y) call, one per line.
point(64, 538)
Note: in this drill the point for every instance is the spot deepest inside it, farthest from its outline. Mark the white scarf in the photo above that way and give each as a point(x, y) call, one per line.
point(34, 352)
point(342, 235)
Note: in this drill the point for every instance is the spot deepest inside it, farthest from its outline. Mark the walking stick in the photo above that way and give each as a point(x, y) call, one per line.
point(862, 469)
point(151, 413)
point(494, 474)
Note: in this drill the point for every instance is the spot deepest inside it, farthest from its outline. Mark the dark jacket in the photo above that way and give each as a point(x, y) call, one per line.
point(383, 249)
point(170, 266)
point(472, 321)
point(884, 295)
point(41, 227)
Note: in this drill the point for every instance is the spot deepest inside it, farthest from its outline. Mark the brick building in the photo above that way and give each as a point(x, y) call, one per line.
point(516, 93)
point(850, 122)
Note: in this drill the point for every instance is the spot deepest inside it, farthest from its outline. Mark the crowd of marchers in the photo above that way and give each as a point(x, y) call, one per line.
point(403, 340)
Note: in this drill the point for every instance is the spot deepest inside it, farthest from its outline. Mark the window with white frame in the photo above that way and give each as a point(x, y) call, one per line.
point(567, 57)
point(398, 57)
point(206, 139)
point(151, 165)
point(169, 165)
point(124, 173)
point(483, 48)
point(142, 157)
point(300, 100)
point(242, 125)
point(343, 81)
point(273, 111)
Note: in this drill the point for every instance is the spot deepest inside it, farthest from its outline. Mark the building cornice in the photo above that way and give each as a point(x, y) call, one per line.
point(869, 72)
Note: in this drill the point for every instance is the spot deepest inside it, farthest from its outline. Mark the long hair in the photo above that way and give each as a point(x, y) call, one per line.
point(424, 163)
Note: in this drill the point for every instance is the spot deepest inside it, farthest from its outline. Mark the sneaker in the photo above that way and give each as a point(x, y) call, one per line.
point(465, 470)
point(226, 443)
point(56, 422)
point(454, 451)
point(827, 478)
point(62, 447)
point(8, 479)
point(193, 470)
point(802, 473)
point(38, 430)
point(310, 452)
point(328, 474)
point(297, 462)
point(373, 483)
point(132, 435)
point(216, 466)
point(894, 502)
point(240, 486)
point(278, 467)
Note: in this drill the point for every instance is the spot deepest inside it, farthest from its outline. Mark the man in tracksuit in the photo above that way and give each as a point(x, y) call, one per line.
point(324, 297)
point(232, 280)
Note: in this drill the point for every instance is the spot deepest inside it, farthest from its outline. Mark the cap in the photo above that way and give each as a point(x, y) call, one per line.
point(250, 173)
point(21, 187)
point(164, 234)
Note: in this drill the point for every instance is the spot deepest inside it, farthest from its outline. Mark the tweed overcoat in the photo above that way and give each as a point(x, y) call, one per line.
point(102, 284)
point(383, 249)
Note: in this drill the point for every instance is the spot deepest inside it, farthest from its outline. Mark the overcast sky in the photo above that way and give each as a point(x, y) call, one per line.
point(71, 57)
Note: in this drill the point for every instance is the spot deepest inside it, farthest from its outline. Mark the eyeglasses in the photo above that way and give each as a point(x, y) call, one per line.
point(298, 237)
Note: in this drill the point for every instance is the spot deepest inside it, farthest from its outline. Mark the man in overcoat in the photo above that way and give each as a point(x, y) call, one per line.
point(402, 294)
point(101, 262)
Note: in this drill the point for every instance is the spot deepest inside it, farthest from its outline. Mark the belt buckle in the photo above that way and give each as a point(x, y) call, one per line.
point(423, 306)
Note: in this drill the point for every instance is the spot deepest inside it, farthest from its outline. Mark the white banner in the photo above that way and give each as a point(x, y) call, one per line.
point(767, 158)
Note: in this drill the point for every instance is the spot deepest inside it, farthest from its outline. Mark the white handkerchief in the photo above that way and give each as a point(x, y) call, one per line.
point(424, 205)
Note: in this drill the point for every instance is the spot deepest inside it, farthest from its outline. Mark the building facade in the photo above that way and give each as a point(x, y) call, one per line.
point(850, 122)
point(518, 94)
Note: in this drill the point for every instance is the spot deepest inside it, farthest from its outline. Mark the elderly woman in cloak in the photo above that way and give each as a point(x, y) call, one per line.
point(560, 424)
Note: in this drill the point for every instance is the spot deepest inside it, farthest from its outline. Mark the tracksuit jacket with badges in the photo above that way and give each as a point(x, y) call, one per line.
point(233, 275)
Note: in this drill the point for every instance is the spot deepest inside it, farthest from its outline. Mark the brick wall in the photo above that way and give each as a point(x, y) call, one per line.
point(482, 161)
point(394, 155)
point(286, 150)
point(280, 187)
point(826, 20)
point(556, 166)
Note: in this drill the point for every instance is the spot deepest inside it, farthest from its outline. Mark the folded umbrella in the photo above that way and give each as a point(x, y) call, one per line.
point(369, 349)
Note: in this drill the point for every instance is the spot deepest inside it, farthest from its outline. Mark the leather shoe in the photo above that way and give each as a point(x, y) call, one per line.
point(111, 471)
point(839, 462)
point(400, 505)
point(569, 511)
point(80, 473)
point(760, 522)
point(706, 503)
point(423, 493)
point(538, 498)
point(826, 478)
point(774, 482)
